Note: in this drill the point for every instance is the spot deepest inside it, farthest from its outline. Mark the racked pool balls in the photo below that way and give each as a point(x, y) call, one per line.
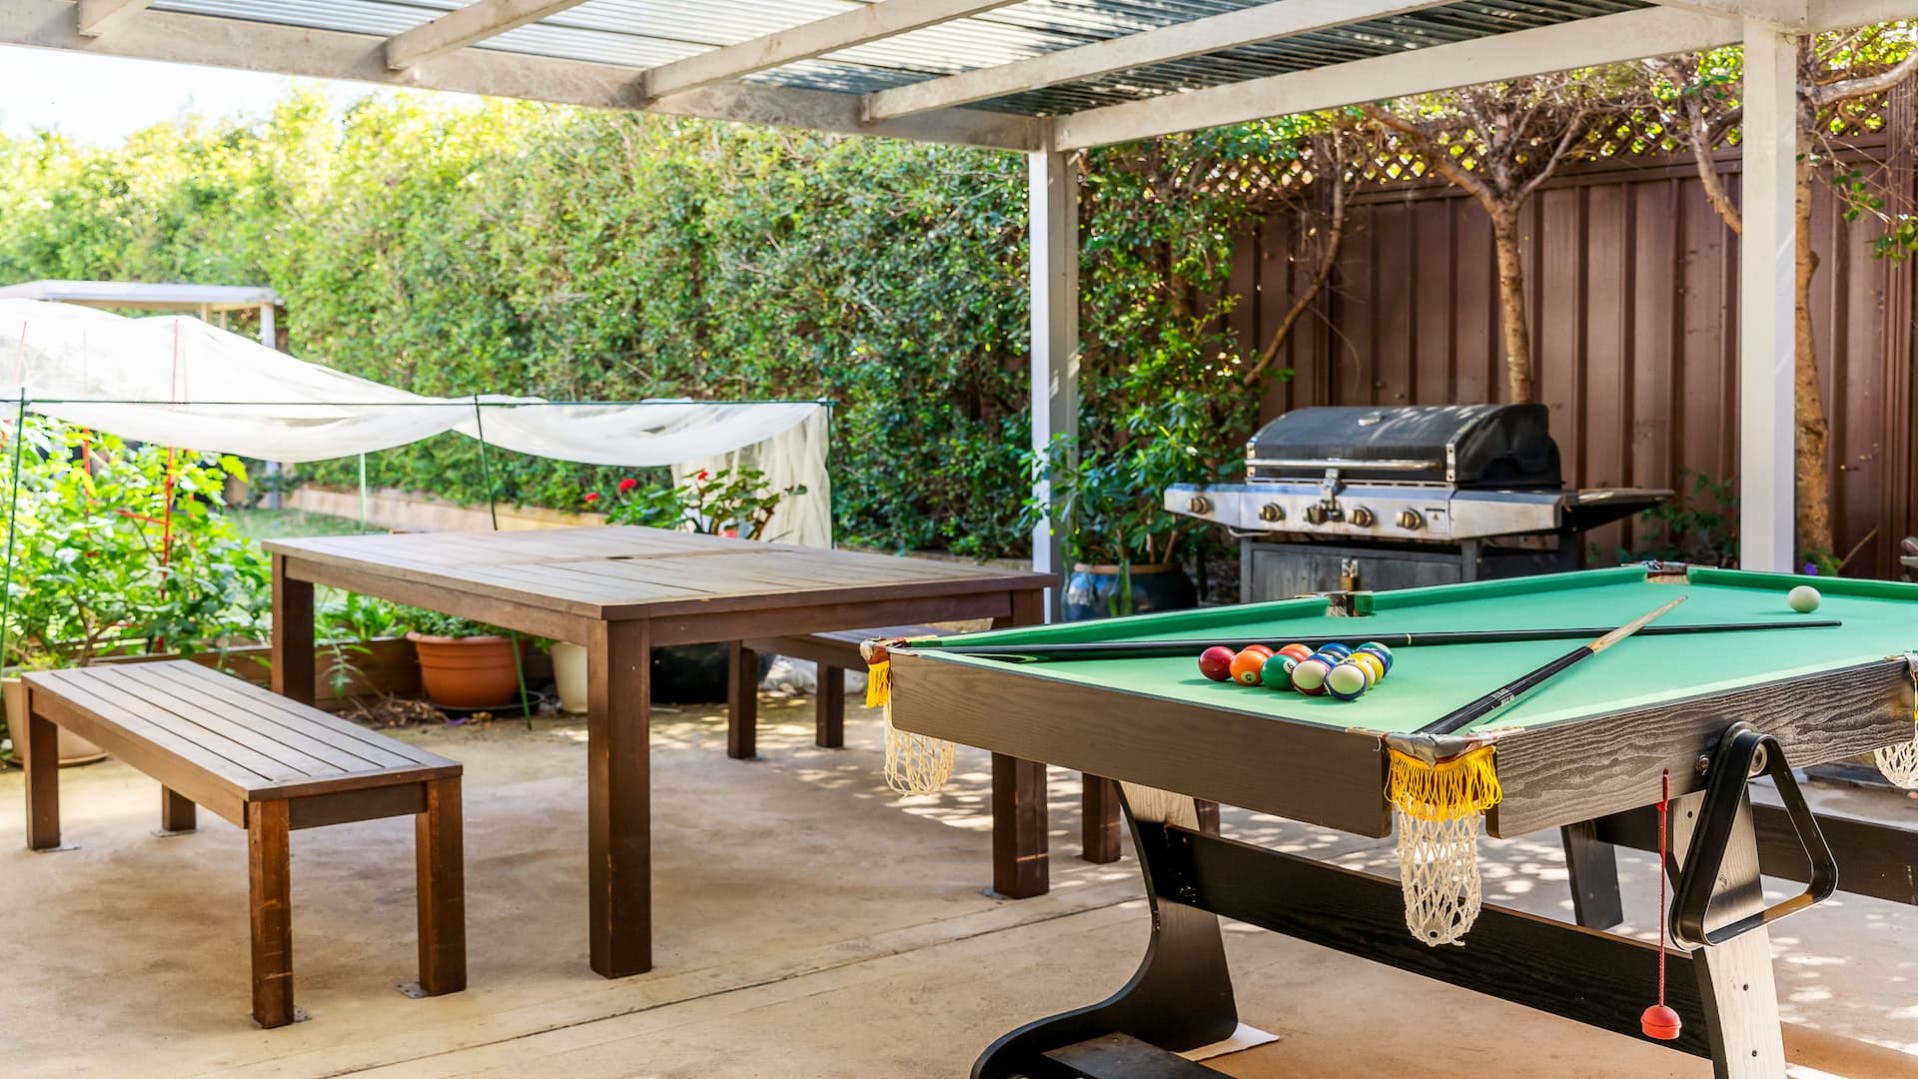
point(1383, 653)
point(1216, 663)
point(1277, 673)
point(1373, 667)
point(1309, 676)
point(1348, 681)
point(1248, 666)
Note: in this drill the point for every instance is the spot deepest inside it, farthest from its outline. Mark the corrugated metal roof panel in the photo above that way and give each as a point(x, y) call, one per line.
point(645, 33)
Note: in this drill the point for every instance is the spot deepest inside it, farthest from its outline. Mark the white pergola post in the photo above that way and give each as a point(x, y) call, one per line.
point(270, 340)
point(1053, 206)
point(1766, 322)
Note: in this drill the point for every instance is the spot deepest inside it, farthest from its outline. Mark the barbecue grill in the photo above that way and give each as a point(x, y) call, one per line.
point(1357, 497)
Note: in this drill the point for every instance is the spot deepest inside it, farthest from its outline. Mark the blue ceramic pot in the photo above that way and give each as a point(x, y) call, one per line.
point(1093, 591)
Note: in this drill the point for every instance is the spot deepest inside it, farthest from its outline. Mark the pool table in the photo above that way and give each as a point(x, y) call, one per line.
point(1583, 753)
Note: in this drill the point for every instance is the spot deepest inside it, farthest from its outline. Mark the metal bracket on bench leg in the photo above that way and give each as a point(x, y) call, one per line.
point(1743, 754)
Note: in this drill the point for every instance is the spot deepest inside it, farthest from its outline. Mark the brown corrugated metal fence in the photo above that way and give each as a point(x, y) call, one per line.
point(1634, 306)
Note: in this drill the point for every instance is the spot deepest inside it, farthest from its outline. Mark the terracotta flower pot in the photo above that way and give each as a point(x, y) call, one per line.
point(467, 672)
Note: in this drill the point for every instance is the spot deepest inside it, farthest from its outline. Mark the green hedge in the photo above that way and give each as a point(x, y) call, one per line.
point(579, 255)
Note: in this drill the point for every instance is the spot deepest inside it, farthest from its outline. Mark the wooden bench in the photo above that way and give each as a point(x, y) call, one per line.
point(838, 651)
point(269, 765)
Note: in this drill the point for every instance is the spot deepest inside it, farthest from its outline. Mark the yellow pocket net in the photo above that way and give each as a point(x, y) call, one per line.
point(1437, 809)
point(915, 764)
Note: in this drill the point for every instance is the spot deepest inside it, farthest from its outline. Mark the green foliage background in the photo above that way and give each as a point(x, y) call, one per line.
point(522, 248)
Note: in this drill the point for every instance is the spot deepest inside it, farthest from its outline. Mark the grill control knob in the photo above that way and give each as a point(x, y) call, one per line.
point(1410, 520)
point(1363, 517)
point(1199, 504)
point(1272, 513)
point(1315, 514)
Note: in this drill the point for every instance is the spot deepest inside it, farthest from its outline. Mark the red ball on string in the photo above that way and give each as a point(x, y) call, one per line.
point(1660, 1022)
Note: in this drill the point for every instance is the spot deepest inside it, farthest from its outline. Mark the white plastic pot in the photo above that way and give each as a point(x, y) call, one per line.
point(569, 670)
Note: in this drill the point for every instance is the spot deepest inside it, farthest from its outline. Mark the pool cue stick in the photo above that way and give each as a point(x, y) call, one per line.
point(1461, 718)
point(1072, 650)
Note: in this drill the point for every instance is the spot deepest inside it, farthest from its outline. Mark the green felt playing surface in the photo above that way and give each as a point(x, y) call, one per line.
point(1880, 620)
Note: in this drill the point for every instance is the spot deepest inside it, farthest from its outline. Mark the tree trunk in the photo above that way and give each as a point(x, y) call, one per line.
point(1813, 446)
point(1511, 296)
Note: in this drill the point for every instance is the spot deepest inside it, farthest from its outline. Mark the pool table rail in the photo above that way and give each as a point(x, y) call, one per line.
point(1580, 769)
point(1307, 772)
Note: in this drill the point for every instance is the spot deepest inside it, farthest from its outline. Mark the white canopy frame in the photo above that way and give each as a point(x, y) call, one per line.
point(984, 88)
point(177, 381)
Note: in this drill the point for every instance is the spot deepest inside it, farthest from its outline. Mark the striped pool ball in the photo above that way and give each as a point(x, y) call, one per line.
point(1247, 667)
point(1296, 651)
point(1337, 649)
point(1278, 671)
point(1383, 653)
point(1348, 681)
point(1261, 649)
point(1309, 676)
point(1373, 667)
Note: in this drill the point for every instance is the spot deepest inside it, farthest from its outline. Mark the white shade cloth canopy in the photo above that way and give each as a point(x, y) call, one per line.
point(178, 381)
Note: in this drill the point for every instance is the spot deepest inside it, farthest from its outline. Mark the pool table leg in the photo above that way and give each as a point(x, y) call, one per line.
point(1592, 865)
point(1181, 996)
point(1735, 983)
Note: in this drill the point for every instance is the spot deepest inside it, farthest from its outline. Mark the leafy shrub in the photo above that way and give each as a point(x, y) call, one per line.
point(122, 549)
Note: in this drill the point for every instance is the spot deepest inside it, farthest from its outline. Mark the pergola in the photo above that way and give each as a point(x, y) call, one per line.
point(1045, 78)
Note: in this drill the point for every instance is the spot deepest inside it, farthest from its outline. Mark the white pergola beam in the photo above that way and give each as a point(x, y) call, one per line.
point(1767, 269)
point(807, 40)
point(96, 17)
point(324, 54)
point(1607, 39)
point(1052, 204)
point(1176, 42)
point(464, 26)
point(1845, 14)
point(1782, 14)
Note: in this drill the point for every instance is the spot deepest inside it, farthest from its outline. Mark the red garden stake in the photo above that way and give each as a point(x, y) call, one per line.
point(1660, 1021)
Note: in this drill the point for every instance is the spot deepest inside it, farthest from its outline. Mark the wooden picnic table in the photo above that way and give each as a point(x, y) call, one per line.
point(620, 592)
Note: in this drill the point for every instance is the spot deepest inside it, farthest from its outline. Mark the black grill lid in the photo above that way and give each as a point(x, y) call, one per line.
point(1460, 445)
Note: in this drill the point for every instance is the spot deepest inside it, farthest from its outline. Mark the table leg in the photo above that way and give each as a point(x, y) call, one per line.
point(39, 743)
point(619, 797)
point(1099, 819)
point(292, 635)
point(1020, 863)
point(742, 702)
point(1180, 998)
point(829, 709)
point(1739, 997)
point(1592, 867)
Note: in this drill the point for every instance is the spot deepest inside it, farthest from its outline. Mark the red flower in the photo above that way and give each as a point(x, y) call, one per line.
point(592, 496)
point(627, 484)
point(703, 475)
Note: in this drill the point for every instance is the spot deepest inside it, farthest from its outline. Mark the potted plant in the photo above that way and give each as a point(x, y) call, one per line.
point(738, 502)
point(120, 550)
point(1123, 543)
point(464, 664)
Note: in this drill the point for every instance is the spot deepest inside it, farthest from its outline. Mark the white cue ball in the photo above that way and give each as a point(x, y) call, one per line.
point(1804, 599)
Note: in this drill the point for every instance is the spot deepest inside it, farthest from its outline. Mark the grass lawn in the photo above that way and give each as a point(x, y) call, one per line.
point(265, 524)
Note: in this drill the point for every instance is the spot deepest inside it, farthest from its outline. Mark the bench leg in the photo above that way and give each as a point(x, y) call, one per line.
point(442, 889)
point(177, 812)
point(1099, 819)
point(829, 710)
point(742, 703)
point(40, 745)
point(270, 895)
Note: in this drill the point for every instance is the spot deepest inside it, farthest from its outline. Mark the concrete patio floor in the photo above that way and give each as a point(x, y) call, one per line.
point(809, 923)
